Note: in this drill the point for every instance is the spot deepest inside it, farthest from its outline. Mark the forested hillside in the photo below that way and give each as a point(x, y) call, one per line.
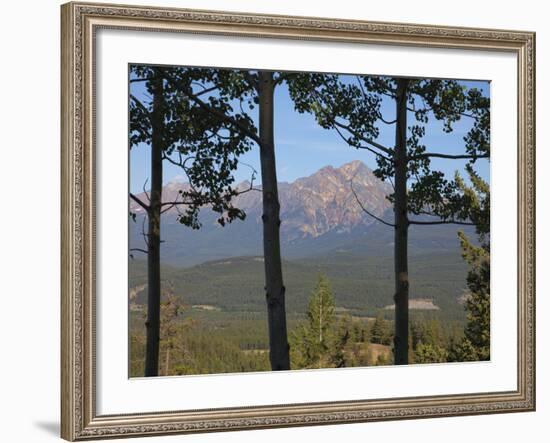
point(362, 285)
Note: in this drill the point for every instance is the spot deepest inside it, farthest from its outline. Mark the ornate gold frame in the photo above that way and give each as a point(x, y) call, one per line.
point(78, 417)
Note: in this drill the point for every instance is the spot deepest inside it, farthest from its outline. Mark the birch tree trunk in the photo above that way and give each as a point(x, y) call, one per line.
point(275, 290)
point(153, 235)
point(401, 297)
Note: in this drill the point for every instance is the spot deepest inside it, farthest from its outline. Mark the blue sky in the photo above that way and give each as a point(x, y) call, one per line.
point(302, 147)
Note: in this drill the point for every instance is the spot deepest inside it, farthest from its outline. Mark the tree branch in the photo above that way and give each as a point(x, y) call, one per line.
point(253, 81)
point(206, 91)
point(365, 210)
point(140, 105)
point(388, 151)
point(388, 122)
point(139, 250)
point(177, 203)
point(139, 202)
point(441, 222)
point(243, 129)
point(342, 136)
point(282, 77)
point(447, 156)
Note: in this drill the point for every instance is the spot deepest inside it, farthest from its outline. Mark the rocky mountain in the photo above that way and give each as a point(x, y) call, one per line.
point(310, 206)
point(319, 213)
point(324, 202)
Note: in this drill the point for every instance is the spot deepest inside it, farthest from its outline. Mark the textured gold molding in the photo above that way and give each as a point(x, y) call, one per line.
point(79, 21)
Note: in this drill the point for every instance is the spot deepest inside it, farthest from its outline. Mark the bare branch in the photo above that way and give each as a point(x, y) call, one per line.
point(206, 91)
point(204, 201)
point(413, 109)
point(343, 137)
point(181, 163)
point(441, 222)
point(447, 156)
point(388, 122)
point(139, 202)
point(145, 190)
point(143, 233)
point(139, 250)
point(365, 210)
point(136, 80)
point(388, 151)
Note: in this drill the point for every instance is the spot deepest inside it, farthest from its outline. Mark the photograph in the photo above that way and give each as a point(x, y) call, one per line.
point(282, 220)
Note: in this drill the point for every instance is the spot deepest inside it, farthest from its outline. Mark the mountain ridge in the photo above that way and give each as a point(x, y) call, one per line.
point(319, 214)
point(310, 206)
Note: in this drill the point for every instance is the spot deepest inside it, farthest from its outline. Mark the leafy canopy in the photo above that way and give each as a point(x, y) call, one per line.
point(352, 106)
point(201, 135)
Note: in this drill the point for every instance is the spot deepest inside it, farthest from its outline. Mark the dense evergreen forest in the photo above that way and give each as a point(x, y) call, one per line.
point(204, 339)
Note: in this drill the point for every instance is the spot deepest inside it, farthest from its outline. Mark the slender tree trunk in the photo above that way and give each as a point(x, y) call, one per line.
point(401, 297)
point(275, 290)
point(153, 236)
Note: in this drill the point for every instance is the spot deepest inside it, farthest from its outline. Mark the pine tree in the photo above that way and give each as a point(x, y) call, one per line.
point(313, 343)
point(380, 331)
point(476, 342)
point(429, 353)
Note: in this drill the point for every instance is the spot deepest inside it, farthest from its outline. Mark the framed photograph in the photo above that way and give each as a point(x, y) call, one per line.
point(277, 221)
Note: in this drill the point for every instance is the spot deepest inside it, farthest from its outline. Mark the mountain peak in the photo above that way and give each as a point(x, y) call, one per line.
point(354, 164)
point(348, 170)
point(312, 206)
point(354, 167)
point(330, 176)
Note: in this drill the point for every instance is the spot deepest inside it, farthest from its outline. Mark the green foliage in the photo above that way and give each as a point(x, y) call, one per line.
point(381, 331)
point(198, 137)
point(203, 343)
point(434, 343)
point(325, 340)
point(428, 353)
point(351, 344)
point(477, 304)
point(475, 201)
point(210, 341)
point(313, 343)
point(426, 331)
point(463, 351)
point(476, 342)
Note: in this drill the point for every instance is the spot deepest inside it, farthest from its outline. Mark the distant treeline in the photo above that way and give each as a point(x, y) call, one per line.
point(363, 285)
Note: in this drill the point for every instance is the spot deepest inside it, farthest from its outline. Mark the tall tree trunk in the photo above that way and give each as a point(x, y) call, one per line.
point(153, 236)
point(401, 221)
point(275, 290)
